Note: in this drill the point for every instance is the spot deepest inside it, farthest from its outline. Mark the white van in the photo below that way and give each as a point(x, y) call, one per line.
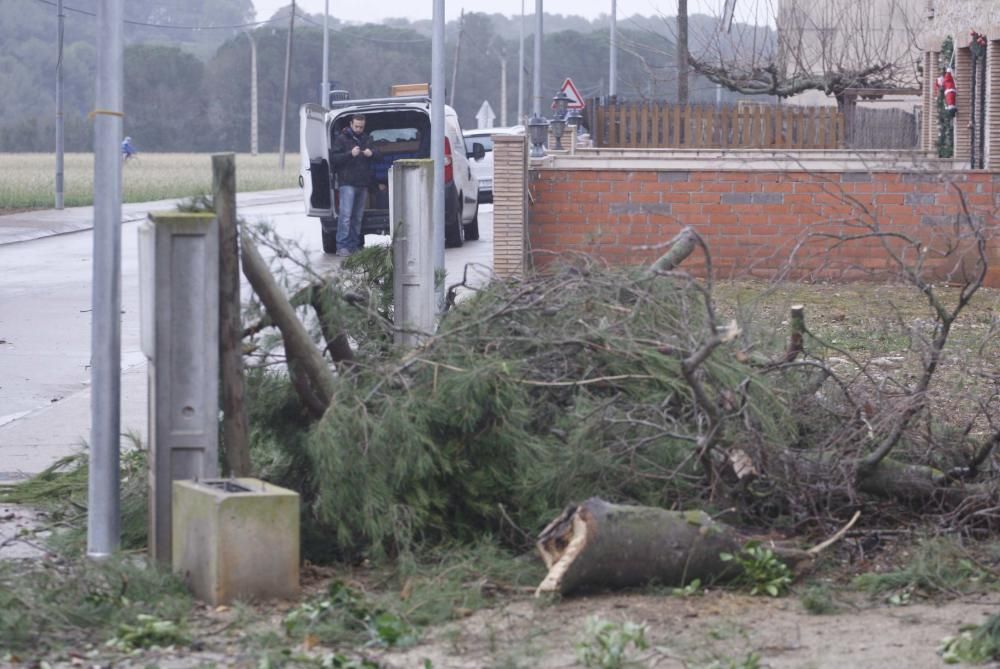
point(400, 127)
point(482, 168)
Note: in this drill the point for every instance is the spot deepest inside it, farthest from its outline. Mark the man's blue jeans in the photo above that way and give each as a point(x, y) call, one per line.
point(352, 208)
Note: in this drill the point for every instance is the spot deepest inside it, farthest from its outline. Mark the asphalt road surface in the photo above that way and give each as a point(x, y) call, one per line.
point(45, 321)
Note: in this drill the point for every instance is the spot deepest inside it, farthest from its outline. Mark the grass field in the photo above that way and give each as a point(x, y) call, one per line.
point(28, 180)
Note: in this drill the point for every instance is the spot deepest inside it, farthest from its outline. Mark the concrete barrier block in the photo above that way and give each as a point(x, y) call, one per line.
point(236, 539)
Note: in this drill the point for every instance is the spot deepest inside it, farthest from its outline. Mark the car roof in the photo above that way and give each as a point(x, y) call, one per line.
point(480, 132)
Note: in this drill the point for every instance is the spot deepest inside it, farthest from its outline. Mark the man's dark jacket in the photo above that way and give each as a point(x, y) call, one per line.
point(353, 170)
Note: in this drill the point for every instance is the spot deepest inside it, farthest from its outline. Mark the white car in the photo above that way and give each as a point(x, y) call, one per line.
point(400, 127)
point(482, 168)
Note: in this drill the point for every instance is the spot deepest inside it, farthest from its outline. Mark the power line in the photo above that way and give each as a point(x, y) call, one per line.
point(419, 40)
point(166, 26)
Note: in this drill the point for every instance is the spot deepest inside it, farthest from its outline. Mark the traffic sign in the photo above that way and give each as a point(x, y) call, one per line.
point(485, 116)
point(575, 99)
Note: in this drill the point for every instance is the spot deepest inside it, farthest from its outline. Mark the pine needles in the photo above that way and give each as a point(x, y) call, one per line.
point(61, 491)
point(533, 394)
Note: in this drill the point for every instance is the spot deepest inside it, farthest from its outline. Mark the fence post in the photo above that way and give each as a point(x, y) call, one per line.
point(235, 429)
point(410, 201)
point(179, 256)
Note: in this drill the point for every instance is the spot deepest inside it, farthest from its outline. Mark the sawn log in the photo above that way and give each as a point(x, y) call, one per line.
point(603, 545)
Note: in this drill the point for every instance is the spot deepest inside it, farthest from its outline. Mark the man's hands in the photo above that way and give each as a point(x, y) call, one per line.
point(356, 151)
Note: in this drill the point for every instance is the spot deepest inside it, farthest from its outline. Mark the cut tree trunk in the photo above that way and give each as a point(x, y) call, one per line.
point(310, 375)
point(603, 545)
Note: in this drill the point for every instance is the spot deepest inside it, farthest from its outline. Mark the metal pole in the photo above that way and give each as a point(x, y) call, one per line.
point(458, 50)
point(536, 84)
point(253, 94)
point(437, 140)
point(682, 52)
point(59, 106)
point(284, 97)
point(613, 76)
point(103, 500)
point(520, 71)
point(503, 86)
point(325, 85)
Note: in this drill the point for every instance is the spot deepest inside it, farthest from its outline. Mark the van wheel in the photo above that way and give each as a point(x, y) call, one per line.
point(472, 227)
point(454, 231)
point(329, 237)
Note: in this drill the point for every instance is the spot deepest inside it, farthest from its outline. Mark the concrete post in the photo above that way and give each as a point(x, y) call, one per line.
point(510, 204)
point(411, 209)
point(179, 270)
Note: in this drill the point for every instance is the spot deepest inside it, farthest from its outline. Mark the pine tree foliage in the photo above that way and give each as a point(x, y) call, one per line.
point(533, 393)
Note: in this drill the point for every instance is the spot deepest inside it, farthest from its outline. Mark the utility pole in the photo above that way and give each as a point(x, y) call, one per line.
point(284, 97)
point(458, 49)
point(682, 52)
point(59, 105)
point(253, 93)
point(103, 483)
point(503, 85)
point(613, 57)
point(520, 71)
point(437, 143)
point(325, 84)
point(536, 83)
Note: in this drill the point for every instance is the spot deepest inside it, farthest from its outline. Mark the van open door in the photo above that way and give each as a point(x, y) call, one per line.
point(314, 170)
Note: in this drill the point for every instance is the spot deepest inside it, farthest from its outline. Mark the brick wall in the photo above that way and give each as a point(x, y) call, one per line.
point(761, 223)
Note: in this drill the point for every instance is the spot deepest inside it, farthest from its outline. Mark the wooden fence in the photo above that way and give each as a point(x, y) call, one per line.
point(662, 125)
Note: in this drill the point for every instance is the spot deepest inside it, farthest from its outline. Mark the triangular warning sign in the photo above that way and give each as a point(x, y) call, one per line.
point(575, 99)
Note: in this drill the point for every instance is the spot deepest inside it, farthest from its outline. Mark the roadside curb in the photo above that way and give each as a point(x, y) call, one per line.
point(29, 225)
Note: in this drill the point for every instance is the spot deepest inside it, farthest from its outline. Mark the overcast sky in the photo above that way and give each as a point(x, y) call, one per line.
point(377, 10)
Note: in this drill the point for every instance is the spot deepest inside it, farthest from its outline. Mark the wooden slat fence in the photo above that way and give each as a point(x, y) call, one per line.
point(662, 125)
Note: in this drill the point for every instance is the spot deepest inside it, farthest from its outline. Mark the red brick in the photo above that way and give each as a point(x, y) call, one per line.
point(705, 198)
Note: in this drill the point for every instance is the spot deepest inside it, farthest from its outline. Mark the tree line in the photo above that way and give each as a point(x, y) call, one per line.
point(192, 92)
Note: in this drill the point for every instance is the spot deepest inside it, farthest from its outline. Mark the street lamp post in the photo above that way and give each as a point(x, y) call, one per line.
point(536, 84)
point(59, 107)
point(325, 84)
point(613, 74)
point(520, 71)
point(537, 126)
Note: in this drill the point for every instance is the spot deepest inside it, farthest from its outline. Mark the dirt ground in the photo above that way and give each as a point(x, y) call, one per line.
point(719, 627)
point(717, 630)
point(712, 629)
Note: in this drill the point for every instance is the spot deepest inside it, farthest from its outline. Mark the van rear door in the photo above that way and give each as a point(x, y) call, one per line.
point(314, 170)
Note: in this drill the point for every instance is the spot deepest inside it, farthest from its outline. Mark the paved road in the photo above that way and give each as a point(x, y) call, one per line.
point(45, 297)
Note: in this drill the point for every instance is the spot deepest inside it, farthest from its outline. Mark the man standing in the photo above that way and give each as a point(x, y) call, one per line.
point(352, 157)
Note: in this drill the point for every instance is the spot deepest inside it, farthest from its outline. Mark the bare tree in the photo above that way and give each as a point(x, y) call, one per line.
point(832, 46)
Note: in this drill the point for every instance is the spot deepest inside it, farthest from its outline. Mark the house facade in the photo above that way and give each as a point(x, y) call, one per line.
point(974, 27)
